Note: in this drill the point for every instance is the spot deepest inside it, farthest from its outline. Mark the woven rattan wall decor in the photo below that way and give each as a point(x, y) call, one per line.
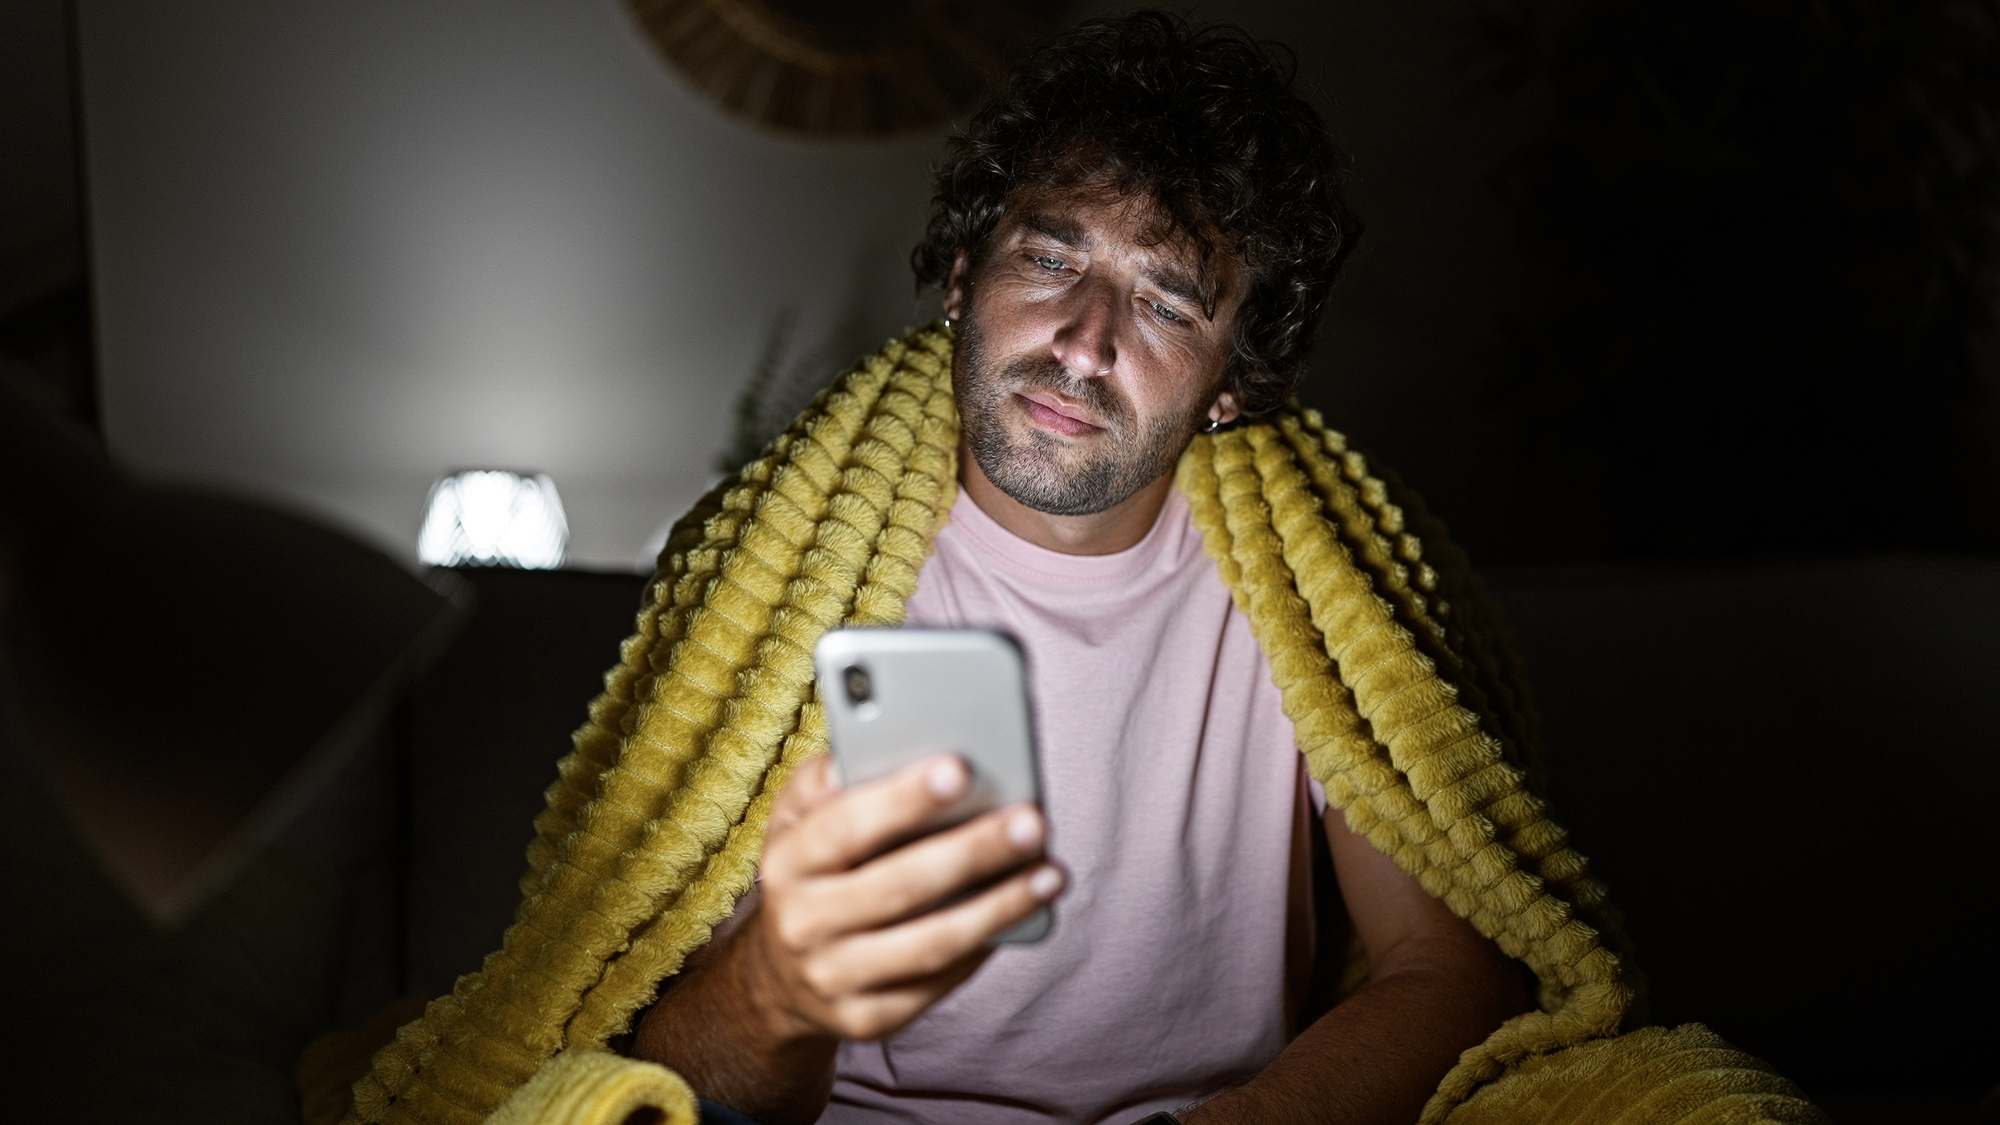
point(853, 68)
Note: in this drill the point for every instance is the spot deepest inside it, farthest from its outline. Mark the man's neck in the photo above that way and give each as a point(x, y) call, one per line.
point(1101, 533)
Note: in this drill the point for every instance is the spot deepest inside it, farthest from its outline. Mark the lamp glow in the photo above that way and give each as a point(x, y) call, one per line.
point(486, 517)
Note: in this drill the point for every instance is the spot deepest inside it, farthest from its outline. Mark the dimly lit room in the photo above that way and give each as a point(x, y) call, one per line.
point(384, 388)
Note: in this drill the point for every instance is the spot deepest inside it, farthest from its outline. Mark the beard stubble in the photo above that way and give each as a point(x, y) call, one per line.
point(1040, 469)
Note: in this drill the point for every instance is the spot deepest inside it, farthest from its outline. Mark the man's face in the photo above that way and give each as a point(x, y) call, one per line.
point(1086, 360)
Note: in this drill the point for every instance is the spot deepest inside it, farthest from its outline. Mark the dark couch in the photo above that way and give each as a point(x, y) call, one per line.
point(1781, 770)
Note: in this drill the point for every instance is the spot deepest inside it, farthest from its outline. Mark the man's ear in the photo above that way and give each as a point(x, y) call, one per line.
point(1224, 410)
point(954, 287)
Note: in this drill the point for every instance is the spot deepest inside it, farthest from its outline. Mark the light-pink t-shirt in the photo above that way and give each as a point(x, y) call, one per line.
point(1172, 787)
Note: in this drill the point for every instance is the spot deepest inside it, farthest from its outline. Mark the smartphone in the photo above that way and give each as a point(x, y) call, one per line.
point(893, 696)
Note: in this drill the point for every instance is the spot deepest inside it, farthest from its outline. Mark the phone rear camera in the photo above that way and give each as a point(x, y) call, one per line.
point(859, 690)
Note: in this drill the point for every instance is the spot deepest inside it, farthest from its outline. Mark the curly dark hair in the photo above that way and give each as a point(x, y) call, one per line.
point(1202, 121)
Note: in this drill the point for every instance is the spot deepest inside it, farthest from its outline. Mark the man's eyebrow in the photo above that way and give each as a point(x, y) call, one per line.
point(1174, 283)
point(1066, 231)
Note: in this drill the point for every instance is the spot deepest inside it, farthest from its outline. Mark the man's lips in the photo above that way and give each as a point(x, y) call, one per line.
point(1051, 413)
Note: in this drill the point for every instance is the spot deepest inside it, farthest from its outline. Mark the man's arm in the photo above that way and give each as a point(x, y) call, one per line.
point(844, 943)
point(1435, 987)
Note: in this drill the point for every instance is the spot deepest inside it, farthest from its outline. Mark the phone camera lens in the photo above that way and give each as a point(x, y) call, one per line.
point(858, 688)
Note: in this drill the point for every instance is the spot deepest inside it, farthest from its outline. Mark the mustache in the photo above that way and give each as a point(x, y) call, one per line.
point(1045, 373)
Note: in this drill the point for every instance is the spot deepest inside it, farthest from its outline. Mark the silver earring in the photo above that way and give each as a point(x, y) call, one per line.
point(1212, 425)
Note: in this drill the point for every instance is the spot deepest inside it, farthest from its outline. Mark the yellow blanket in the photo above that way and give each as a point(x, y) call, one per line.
point(1405, 703)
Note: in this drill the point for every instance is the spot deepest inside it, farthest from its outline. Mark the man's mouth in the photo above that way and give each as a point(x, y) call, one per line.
point(1052, 413)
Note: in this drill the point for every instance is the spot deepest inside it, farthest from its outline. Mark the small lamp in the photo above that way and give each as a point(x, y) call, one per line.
point(489, 517)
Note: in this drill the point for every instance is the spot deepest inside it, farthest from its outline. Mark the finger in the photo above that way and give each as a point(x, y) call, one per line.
point(880, 1014)
point(810, 785)
point(923, 947)
point(919, 875)
point(858, 822)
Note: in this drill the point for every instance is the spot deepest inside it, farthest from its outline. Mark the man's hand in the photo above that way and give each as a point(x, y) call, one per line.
point(848, 941)
point(844, 941)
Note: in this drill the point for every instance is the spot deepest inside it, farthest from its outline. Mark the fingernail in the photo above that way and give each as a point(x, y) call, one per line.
point(1024, 830)
point(946, 779)
point(1045, 883)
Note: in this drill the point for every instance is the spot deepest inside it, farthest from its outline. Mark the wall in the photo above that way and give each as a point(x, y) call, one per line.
point(40, 247)
point(343, 248)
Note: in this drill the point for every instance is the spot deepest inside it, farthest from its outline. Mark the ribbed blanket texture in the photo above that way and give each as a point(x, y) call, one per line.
point(1405, 702)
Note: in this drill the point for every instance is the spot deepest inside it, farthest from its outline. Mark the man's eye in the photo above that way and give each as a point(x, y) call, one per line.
point(1053, 265)
point(1168, 314)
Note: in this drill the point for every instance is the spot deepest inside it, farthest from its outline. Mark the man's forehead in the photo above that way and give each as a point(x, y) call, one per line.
point(1081, 218)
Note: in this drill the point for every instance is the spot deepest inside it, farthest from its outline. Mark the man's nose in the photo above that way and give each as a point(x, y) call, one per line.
point(1086, 342)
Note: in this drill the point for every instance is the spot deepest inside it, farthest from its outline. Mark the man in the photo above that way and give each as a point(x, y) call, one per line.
point(1135, 241)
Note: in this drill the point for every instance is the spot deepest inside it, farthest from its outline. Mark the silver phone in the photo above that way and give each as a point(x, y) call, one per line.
point(893, 696)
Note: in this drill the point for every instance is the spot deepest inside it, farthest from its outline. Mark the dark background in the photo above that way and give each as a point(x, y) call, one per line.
point(1680, 313)
point(1641, 280)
